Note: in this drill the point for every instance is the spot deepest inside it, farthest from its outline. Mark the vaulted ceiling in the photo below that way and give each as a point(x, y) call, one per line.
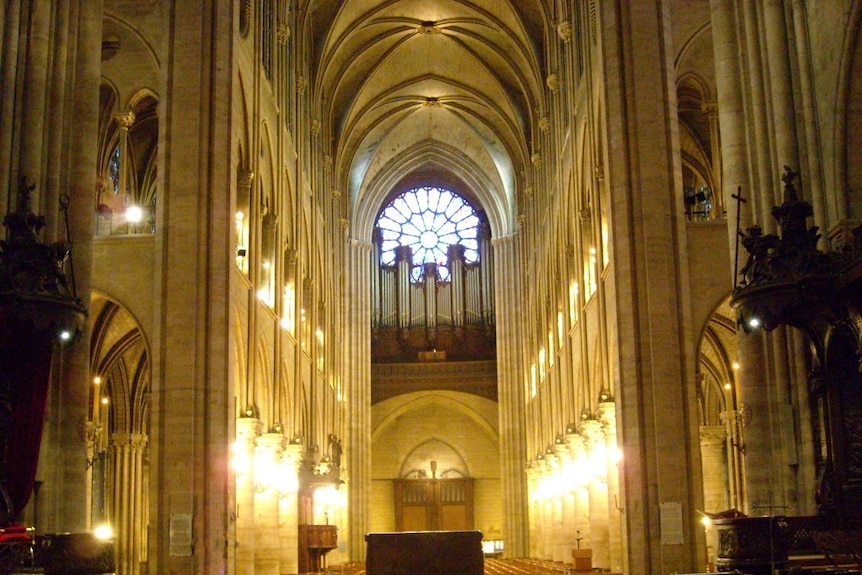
point(446, 92)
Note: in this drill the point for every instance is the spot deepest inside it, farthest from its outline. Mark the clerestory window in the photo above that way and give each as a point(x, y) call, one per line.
point(429, 220)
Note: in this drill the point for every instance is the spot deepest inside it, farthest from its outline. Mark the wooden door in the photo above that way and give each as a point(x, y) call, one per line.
point(434, 504)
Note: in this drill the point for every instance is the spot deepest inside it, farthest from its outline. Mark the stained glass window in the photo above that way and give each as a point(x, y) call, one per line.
point(114, 169)
point(429, 220)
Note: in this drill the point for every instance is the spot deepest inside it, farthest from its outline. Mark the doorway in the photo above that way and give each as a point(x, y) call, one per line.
point(434, 504)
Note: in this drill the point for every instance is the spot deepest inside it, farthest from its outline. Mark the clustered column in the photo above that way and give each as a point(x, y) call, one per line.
point(574, 494)
point(128, 513)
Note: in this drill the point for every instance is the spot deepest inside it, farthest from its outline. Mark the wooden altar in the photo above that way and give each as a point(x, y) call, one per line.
point(425, 553)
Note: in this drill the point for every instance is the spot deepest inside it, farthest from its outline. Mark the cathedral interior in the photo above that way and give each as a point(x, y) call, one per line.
point(281, 277)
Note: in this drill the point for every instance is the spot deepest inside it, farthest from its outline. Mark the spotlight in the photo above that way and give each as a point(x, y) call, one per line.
point(134, 214)
point(754, 322)
point(104, 532)
point(65, 335)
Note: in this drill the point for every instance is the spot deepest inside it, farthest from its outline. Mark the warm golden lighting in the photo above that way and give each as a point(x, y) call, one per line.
point(240, 461)
point(134, 214)
point(103, 532)
point(97, 380)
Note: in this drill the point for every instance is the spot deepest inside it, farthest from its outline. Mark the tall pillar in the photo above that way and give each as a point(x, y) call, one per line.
point(39, 26)
point(567, 502)
point(608, 417)
point(581, 528)
point(74, 395)
point(124, 122)
point(247, 430)
point(713, 439)
point(193, 385)
point(511, 396)
point(358, 391)
point(267, 464)
point(591, 429)
point(127, 500)
point(288, 511)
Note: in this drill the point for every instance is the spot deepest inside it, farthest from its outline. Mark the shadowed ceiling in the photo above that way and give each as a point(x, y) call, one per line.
point(448, 90)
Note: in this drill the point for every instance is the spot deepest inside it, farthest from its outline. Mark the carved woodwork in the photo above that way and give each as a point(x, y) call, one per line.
point(315, 541)
point(787, 280)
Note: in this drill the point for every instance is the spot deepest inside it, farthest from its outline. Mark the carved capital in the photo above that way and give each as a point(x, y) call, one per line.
point(564, 30)
point(536, 158)
point(282, 33)
point(125, 119)
point(244, 178)
point(544, 124)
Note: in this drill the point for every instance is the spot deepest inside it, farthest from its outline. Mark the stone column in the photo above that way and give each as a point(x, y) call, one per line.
point(247, 430)
point(554, 535)
point(567, 502)
point(127, 499)
point(608, 417)
point(124, 122)
point(591, 429)
point(718, 205)
point(83, 117)
point(713, 440)
point(533, 509)
point(33, 102)
point(267, 460)
point(511, 396)
point(193, 385)
point(581, 527)
point(358, 391)
point(288, 511)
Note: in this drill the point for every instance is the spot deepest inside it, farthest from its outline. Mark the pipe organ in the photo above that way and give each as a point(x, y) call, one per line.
point(457, 293)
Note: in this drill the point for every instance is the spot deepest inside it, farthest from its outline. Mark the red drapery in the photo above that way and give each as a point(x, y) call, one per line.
point(25, 367)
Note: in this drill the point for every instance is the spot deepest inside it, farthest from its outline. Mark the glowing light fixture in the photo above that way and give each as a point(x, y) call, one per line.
point(103, 532)
point(134, 214)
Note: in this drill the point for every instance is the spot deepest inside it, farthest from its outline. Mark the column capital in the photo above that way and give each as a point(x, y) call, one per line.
point(712, 435)
point(591, 429)
point(244, 177)
point(576, 444)
point(564, 30)
point(273, 441)
point(607, 414)
point(247, 429)
point(125, 119)
point(134, 440)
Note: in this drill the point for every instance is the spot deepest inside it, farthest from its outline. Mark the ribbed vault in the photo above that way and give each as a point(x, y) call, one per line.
point(442, 88)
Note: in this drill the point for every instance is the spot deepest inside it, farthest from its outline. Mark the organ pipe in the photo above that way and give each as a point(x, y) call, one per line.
point(403, 263)
point(466, 299)
point(455, 254)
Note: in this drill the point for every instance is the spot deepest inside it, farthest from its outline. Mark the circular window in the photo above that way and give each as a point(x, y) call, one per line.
point(429, 220)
